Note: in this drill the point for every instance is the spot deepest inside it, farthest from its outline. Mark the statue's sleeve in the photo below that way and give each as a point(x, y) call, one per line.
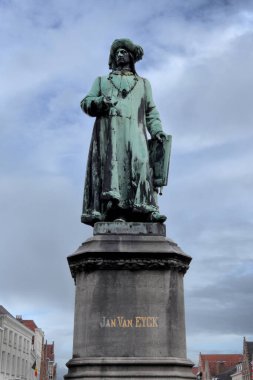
point(93, 103)
point(153, 121)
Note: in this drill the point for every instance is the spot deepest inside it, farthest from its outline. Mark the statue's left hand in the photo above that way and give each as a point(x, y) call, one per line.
point(160, 136)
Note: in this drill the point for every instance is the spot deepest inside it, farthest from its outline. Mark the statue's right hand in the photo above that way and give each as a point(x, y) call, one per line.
point(109, 101)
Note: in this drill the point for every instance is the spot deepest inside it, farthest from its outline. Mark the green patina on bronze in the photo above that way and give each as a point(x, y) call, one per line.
point(120, 183)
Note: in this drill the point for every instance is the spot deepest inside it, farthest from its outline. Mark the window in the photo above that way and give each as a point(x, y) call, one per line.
point(19, 342)
point(8, 363)
point(10, 338)
point(5, 334)
point(15, 340)
point(3, 361)
point(26, 365)
point(51, 369)
point(18, 366)
point(13, 365)
point(23, 368)
point(24, 345)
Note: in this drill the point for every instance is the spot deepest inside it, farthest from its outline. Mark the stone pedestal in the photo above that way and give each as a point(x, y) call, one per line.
point(129, 311)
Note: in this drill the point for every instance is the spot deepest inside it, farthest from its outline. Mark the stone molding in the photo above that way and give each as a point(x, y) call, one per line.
point(129, 359)
point(101, 263)
point(128, 246)
point(130, 368)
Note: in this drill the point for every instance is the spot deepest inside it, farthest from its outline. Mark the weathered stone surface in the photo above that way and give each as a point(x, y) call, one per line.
point(132, 228)
point(139, 248)
point(130, 368)
point(108, 308)
point(129, 308)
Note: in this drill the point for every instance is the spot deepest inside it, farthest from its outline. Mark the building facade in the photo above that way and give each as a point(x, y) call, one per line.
point(37, 343)
point(15, 348)
point(237, 375)
point(23, 354)
point(48, 365)
point(247, 362)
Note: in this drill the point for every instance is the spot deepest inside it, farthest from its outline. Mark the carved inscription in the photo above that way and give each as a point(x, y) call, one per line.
point(135, 322)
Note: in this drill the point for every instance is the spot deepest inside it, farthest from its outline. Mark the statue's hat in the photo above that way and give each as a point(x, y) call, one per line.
point(136, 50)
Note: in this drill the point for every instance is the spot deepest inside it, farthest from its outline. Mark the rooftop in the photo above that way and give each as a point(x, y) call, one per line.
point(3, 311)
point(219, 363)
point(29, 323)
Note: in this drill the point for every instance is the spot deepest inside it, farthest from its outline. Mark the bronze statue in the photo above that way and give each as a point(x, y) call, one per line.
point(119, 181)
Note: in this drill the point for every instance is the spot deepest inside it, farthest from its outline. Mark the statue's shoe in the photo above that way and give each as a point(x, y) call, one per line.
point(91, 218)
point(156, 217)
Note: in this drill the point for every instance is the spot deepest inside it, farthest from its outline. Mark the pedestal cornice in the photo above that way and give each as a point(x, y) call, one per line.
point(128, 246)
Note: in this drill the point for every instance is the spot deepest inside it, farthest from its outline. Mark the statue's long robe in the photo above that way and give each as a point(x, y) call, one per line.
point(118, 167)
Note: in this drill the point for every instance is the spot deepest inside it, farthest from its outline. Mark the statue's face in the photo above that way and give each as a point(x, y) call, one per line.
point(122, 57)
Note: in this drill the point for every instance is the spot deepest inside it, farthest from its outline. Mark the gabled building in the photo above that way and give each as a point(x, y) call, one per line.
point(217, 366)
point(237, 375)
point(48, 365)
point(247, 362)
point(37, 343)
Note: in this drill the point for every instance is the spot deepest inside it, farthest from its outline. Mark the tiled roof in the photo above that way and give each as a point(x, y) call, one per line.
point(3, 311)
point(219, 363)
point(29, 323)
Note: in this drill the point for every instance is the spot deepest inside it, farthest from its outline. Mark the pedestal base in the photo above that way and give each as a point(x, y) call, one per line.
point(130, 368)
point(129, 311)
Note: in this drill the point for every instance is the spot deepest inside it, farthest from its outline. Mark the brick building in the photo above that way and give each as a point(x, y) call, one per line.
point(247, 361)
point(48, 365)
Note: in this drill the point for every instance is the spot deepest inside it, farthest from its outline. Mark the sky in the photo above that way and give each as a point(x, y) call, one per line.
point(198, 56)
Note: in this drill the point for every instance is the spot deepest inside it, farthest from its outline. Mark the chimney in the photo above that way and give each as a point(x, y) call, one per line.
point(220, 367)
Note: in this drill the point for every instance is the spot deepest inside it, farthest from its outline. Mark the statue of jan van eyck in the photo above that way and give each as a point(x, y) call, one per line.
point(120, 181)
